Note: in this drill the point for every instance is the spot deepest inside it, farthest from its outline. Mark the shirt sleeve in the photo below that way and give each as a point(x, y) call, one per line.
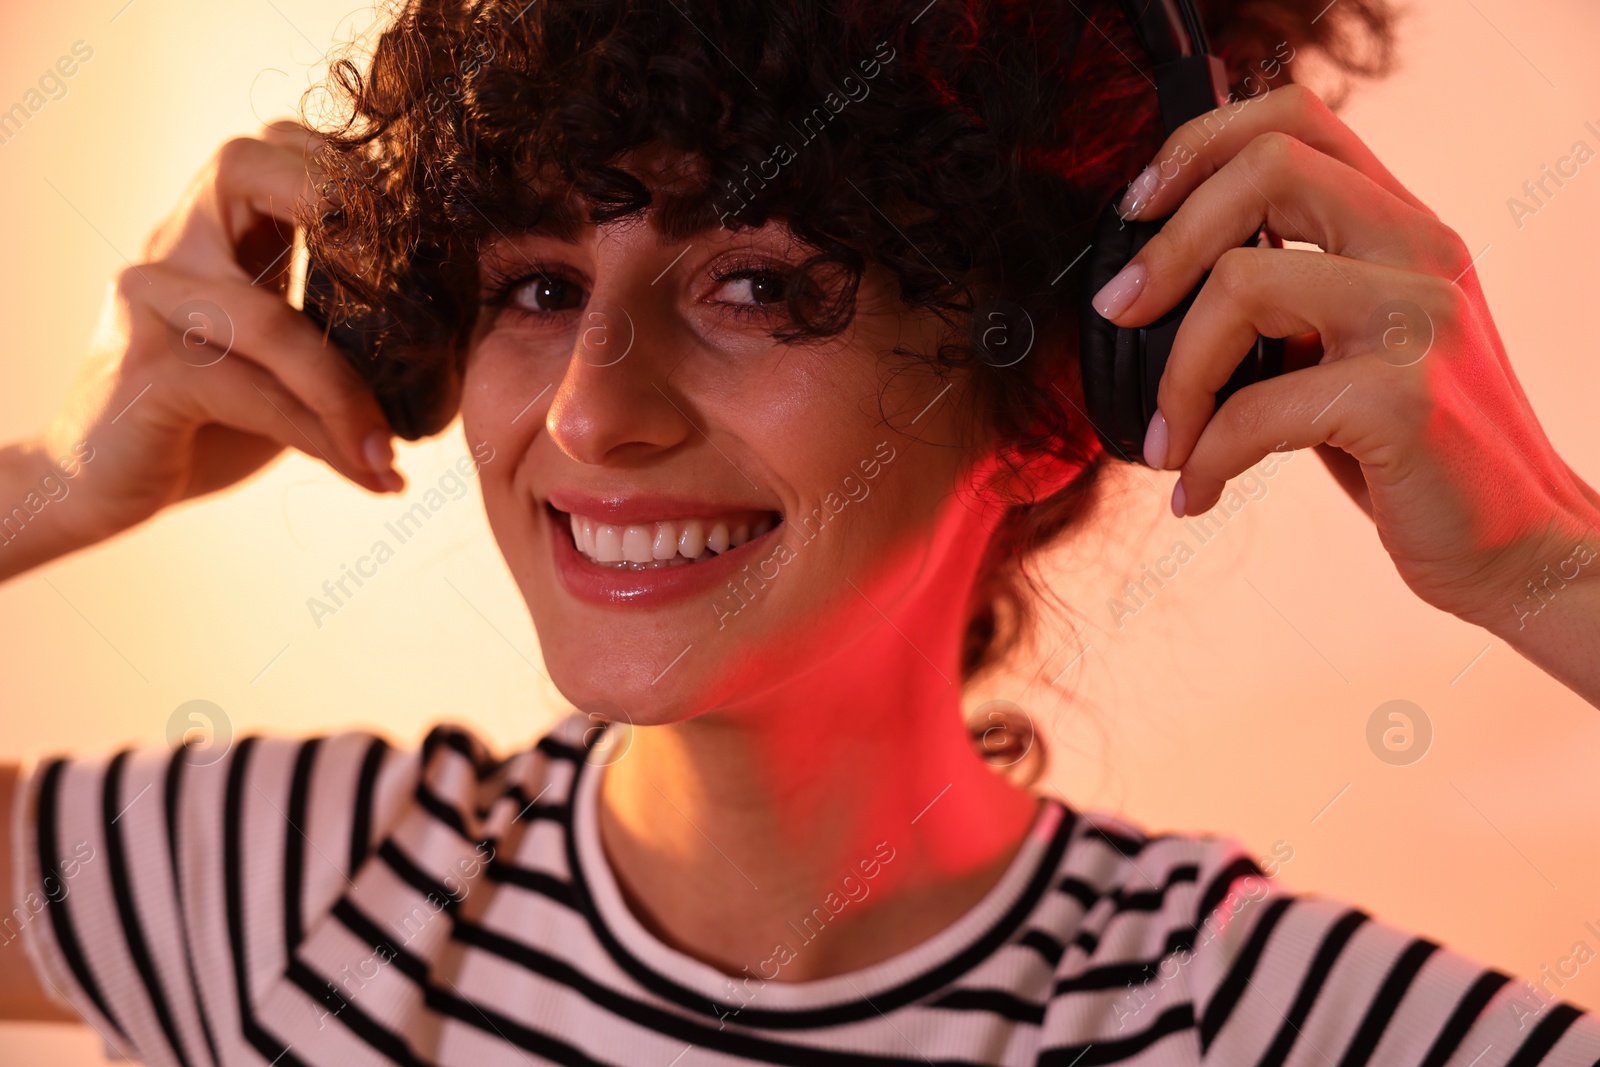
point(1282, 978)
point(159, 886)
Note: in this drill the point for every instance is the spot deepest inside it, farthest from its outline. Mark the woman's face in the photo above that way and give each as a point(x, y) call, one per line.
point(641, 415)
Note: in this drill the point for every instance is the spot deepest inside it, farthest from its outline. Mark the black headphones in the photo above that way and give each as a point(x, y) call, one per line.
point(416, 400)
point(1122, 365)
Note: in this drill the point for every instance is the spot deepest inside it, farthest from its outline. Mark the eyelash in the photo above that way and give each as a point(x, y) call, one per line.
point(502, 285)
point(750, 268)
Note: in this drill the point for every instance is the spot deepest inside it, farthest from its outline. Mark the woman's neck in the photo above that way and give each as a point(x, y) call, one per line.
point(726, 828)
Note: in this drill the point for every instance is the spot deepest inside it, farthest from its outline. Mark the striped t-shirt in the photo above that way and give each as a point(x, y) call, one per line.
point(335, 901)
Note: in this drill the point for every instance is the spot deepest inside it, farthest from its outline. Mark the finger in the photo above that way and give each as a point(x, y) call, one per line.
point(307, 145)
point(245, 396)
point(1201, 146)
point(1276, 292)
point(260, 178)
point(1326, 406)
point(215, 321)
point(251, 185)
point(1299, 193)
point(290, 133)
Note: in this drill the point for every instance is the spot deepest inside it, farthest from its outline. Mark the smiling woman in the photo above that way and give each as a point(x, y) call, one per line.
point(796, 402)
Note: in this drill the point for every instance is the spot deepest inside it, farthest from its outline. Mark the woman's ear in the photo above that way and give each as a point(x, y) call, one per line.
point(1004, 477)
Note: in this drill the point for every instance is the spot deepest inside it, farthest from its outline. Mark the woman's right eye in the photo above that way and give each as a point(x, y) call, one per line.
point(546, 295)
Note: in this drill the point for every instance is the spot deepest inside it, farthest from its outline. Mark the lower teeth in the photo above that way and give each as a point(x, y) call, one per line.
point(655, 564)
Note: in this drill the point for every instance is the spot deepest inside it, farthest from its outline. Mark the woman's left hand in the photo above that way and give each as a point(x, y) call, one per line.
point(1412, 403)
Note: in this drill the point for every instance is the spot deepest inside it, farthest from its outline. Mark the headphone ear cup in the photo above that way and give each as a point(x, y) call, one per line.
point(1122, 366)
point(417, 399)
point(1110, 356)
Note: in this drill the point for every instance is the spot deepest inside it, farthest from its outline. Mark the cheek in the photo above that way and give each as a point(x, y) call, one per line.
point(501, 406)
point(503, 400)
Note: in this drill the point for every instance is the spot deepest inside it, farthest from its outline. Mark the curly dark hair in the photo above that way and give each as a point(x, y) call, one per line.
point(965, 145)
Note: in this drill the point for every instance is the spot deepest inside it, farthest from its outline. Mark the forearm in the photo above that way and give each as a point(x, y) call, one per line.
point(33, 492)
point(1554, 619)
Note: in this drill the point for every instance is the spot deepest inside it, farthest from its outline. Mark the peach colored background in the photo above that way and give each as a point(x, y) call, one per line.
point(1237, 701)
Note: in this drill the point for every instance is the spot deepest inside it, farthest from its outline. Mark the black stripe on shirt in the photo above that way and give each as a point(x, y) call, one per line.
point(1001, 1002)
point(1233, 984)
point(1112, 975)
point(1174, 1020)
point(111, 812)
point(562, 751)
point(1467, 1011)
point(442, 811)
point(1384, 1005)
point(294, 846)
point(1049, 949)
point(1085, 894)
point(390, 1044)
point(66, 930)
point(361, 811)
point(1126, 847)
point(1556, 1021)
point(1333, 943)
point(172, 790)
point(412, 874)
point(1153, 899)
point(275, 1051)
point(541, 882)
point(1218, 888)
point(483, 762)
point(528, 808)
point(1124, 899)
point(457, 741)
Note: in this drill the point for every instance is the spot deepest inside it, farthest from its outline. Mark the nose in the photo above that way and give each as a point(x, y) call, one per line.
point(612, 404)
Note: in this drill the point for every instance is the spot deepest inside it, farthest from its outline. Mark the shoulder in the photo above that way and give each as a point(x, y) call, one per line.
point(1183, 940)
point(178, 886)
point(1117, 886)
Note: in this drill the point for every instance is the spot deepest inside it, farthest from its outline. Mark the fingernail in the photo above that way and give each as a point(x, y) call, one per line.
point(1119, 293)
point(1155, 441)
point(1139, 193)
point(378, 450)
point(1178, 500)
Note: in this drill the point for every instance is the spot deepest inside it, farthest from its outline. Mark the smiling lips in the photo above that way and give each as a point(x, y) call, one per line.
point(665, 543)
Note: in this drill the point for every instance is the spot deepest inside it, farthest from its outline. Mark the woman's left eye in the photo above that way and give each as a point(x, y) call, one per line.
point(752, 288)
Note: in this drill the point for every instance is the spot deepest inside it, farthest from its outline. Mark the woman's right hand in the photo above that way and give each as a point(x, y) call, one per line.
point(200, 371)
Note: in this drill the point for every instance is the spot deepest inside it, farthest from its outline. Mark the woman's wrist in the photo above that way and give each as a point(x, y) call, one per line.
point(1552, 616)
point(33, 491)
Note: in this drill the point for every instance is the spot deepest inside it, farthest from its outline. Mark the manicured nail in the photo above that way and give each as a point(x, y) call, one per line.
point(378, 450)
point(1178, 500)
point(1140, 192)
point(1119, 293)
point(1155, 441)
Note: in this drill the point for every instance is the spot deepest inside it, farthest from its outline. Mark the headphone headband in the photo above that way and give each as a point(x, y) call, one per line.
point(1189, 80)
point(1122, 365)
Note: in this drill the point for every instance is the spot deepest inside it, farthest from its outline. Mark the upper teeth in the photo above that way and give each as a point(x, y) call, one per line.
point(685, 539)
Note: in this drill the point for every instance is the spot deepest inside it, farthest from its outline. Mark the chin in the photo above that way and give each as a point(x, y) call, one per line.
point(657, 642)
